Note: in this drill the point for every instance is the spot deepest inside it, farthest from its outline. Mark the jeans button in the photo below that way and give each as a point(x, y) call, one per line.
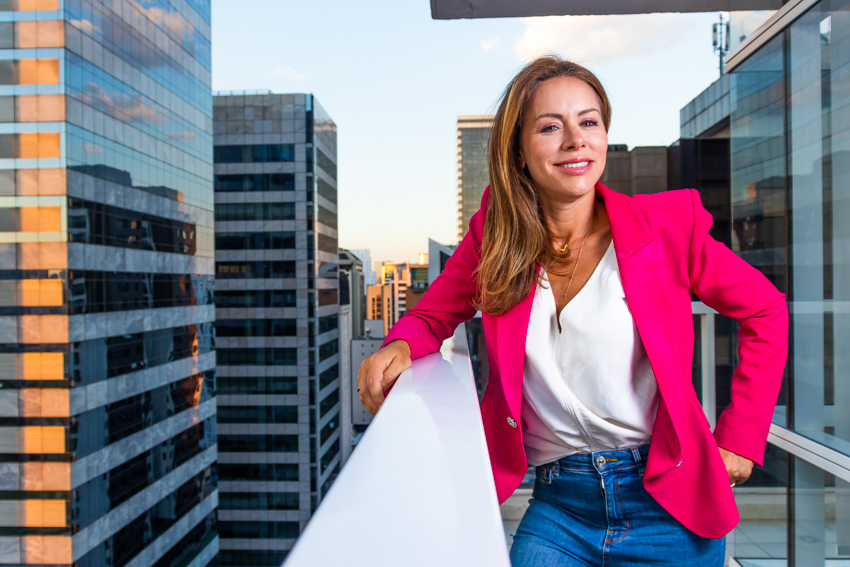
point(600, 461)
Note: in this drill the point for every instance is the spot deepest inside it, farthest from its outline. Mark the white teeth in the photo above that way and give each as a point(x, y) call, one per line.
point(575, 165)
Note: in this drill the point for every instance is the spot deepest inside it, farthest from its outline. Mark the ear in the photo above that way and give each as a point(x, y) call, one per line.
point(522, 160)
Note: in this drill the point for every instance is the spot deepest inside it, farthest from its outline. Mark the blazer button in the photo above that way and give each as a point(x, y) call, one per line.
point(511, 422)
point(679, 463)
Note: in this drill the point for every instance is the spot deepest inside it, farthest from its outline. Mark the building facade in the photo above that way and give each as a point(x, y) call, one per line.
point(365, 256)
point(473, 132)
point(107, 359)
point(277, 319)
point(352, 289)
point(379, 306)
point(399, 277)
point(790, 191)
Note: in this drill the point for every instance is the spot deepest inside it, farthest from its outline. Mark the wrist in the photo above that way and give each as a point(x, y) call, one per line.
point(402, 344)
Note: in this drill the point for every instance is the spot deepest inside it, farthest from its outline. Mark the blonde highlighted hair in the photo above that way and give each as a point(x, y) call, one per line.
point(515, 234)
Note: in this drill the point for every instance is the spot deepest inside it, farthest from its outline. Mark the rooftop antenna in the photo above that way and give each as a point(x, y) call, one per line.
point(720, 40)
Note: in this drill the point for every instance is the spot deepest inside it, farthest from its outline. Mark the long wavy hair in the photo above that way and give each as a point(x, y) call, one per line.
point(515, 233)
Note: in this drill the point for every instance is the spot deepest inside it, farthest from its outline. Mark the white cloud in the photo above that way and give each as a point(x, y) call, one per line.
point(287, 72)
point(181, 135)
point(594, 39)
point(488, 44)
point(175, 22)
point(85, 25)
point(129, 108)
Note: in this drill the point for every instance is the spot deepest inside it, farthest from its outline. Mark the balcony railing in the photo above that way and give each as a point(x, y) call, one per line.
point(418, 490)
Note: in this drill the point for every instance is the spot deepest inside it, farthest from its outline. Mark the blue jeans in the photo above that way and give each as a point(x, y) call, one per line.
point(592, 509)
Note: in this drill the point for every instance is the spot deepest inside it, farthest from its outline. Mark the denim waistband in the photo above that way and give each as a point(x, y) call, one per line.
point(602, 461)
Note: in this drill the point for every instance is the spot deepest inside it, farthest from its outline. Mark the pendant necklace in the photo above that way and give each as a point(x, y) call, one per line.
point(589, 230)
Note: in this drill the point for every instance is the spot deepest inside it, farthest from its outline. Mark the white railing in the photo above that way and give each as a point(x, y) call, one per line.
point(707, 356)
point(418, 490)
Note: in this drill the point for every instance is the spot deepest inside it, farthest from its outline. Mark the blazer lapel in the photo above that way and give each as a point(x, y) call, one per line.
point(641, 264)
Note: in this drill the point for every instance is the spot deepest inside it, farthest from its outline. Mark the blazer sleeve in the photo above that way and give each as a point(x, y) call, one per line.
point(449, 300)
point(731, 286)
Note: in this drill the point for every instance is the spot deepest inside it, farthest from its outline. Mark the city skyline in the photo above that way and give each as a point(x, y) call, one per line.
point(404, 76)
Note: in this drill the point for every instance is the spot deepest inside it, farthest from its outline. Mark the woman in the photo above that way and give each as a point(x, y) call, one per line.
point(586, 301)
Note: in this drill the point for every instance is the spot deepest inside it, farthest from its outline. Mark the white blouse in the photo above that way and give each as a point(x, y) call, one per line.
point(588, 387)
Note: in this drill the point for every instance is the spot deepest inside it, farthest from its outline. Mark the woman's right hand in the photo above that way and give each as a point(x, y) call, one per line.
point(378, 372)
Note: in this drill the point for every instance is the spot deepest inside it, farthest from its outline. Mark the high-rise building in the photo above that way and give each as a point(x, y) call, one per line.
point(379, 308)
point(106, 332)
point(399, 276)
point(472, 173)
point(438, 255)
point(352, 307)
point(352, 291)
point(365, 255)
point(277, 320)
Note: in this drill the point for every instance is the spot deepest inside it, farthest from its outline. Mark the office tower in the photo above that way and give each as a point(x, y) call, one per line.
point(277, 319)
point(379, 302)
point(106, 332)
point(438, 255)
point(365, 255)
point(352, 305)
point(400, 276)
point(352, 289)
point(473, 177)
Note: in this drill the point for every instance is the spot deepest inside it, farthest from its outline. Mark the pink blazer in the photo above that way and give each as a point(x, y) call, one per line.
point(664, 254)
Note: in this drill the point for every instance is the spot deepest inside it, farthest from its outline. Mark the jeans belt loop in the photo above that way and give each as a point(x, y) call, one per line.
point(638, 460)
point(556, 468)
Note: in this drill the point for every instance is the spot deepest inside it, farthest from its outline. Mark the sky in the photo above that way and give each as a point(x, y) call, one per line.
point(395, 81)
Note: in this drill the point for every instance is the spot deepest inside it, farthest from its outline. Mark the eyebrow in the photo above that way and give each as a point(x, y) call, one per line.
point(560, 117)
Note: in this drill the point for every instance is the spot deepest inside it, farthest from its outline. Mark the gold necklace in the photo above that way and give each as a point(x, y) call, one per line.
point(589, 230)
point(565, 249)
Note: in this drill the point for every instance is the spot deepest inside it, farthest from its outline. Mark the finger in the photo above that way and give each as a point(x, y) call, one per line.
point(375, 378)
point(393, 371)
point(363, 390)
point(361, 376)
point(361, 380)
point(366, 400)
point(376, 392)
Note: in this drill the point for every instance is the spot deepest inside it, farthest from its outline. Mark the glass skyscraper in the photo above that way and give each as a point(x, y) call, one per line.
point(107, 363)
point(790, 192)
point(473, 132)
point(277, 325)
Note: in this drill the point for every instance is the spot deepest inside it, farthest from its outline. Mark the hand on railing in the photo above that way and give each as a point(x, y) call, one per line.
point(378, 373)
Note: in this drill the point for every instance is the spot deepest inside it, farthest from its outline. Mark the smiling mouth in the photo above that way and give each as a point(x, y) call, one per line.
point(575, 165)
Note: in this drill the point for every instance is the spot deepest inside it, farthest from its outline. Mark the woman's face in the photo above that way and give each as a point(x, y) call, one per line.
point(564, 142)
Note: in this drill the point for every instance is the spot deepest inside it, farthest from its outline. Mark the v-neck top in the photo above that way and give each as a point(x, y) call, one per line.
point(589, 386)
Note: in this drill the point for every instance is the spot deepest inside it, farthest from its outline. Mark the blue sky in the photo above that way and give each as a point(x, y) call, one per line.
point(394, 81)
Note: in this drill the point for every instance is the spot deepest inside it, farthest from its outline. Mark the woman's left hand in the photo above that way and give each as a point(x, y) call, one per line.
point(738, 468)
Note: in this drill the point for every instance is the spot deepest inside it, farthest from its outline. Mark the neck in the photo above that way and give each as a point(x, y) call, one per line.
point(569, 220)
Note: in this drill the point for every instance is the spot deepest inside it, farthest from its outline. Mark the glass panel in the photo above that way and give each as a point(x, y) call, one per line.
point(744, 22)
point(819, 259)
point(7, 107)
point(762, 532)
point(6, 34)
point(29, 35)
point(28, 5)
point(40, 108)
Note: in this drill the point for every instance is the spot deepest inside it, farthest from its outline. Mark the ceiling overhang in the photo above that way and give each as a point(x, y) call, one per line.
point(460, 9)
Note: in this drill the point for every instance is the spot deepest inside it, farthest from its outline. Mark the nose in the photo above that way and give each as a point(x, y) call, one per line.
point(573, 138)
